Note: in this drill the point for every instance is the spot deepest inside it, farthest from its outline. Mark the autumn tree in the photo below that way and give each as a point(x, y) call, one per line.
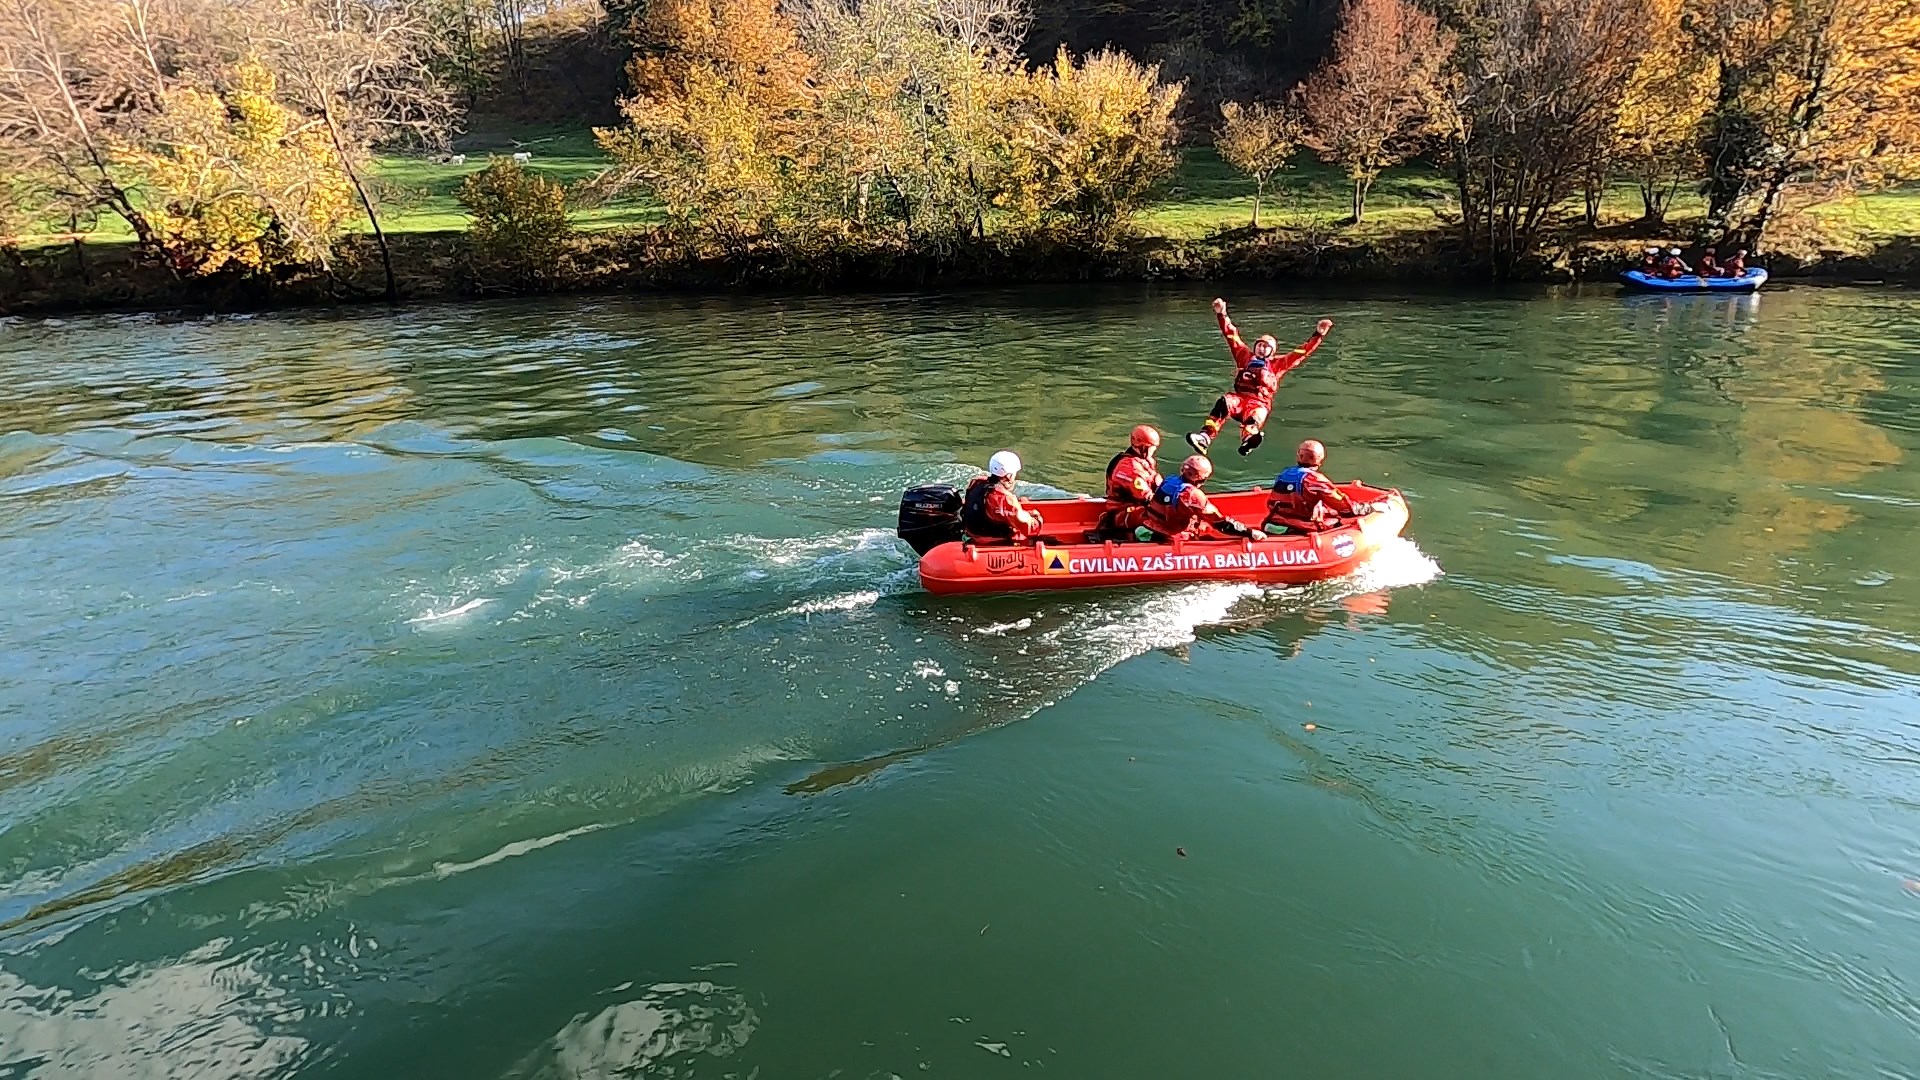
point(1258, 140)
point(520, 227)
point(362, 72)
point(1657, 134)
point(1532, 96)
point(1368, 105)
point(1819, 93)
point(906, 93)
point(77, 78)
point(238, 180)
point(1088, 141)
point(721, 93)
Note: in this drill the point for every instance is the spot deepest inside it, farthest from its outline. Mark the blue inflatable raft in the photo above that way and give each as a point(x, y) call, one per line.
point(1751, 280)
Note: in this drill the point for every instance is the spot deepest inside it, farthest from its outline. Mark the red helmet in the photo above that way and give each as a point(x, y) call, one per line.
point(1144, 438)
point(1196, 469)
point(1311, 453)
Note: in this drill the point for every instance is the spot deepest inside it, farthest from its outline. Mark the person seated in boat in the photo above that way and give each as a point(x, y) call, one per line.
point(1180, 509)
point(1736, 264)
point(1673, 266)
point(1132, 476)
point(1709, 265)
point(1650, 262)
point(1303, 499)
point(991, 511)
point(1257, 371)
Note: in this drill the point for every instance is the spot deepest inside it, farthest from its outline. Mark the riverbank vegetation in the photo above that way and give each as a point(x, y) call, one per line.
point(262, 151)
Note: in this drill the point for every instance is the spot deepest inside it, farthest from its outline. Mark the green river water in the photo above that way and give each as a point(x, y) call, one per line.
point(537, 690)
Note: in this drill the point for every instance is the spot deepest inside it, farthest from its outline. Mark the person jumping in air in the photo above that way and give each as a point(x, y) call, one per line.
point(991, 512)
point(1132, 477)
point(1257, 374)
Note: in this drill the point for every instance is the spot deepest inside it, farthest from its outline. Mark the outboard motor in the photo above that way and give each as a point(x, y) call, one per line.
point(929, 517)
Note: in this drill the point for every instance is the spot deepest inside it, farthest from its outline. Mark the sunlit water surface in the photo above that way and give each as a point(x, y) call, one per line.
point(537, 690)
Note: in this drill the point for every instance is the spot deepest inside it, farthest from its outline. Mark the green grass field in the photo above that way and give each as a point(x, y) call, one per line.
point(420, 191)
point(1204, 196)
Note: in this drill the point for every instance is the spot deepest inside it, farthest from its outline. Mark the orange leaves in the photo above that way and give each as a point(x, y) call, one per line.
point(1376, 94)
point(837, 114)
point(1826, 91)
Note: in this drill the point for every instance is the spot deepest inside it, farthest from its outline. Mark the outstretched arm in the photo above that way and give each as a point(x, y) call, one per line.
point(1296, 357)
point(1241, 353)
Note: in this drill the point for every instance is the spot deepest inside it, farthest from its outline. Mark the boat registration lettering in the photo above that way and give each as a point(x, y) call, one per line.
point(1256, 559)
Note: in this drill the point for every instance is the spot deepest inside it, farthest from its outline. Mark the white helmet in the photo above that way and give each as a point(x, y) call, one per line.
point(1004, 463)
point(1673, 251)
point(1653, 251)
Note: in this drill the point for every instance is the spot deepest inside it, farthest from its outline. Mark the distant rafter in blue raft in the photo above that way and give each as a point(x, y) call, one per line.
point(1747, 282)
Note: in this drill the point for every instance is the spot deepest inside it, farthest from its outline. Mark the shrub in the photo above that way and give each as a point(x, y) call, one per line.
point(520, 225)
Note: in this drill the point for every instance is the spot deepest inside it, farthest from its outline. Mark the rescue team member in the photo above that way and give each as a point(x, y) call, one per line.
point(1180, 508)
point(1709, 265)
point(1650, 262)
point(1132, 477)
point(1736, 264)
point(1673, 265)
point(1303, 499)
point(1257, 374)
point(991, 512)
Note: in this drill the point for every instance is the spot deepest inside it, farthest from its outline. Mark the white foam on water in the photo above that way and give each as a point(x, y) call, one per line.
point(786, 551)
point(1162, 621)
point(852, 601)
point(451, 613)
point(1398, 564)
point(444, 870)
point(1000, 629)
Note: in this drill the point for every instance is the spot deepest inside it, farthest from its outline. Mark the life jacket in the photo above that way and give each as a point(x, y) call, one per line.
point(1166, 515)
point(1293, 481)
point(1253, 379)
point(1124, 495)
point(1290, 504)
point(973, 512)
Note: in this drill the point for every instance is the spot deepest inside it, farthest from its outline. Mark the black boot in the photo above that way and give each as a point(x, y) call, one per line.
point(1251, 442)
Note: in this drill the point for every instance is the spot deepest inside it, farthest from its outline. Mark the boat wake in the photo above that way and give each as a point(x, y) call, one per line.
point(1017, 654)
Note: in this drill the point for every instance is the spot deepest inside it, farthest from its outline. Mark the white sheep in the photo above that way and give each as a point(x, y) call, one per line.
point(521, 157)
point(458, 159)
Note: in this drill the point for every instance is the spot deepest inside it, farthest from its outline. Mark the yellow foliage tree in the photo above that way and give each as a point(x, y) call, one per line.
point(719, 117)
point(1656, 139)
point(1258, 140)
point(519, 224)
point(1826, 91)
point(906, 93)
point(235, 180)
point(749, 44)
point(712, 158)
point(1087, 142)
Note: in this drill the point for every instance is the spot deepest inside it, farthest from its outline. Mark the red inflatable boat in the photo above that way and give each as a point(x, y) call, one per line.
point(1064, 559)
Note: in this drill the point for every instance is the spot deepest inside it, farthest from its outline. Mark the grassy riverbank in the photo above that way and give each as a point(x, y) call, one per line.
point(1197, 228)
